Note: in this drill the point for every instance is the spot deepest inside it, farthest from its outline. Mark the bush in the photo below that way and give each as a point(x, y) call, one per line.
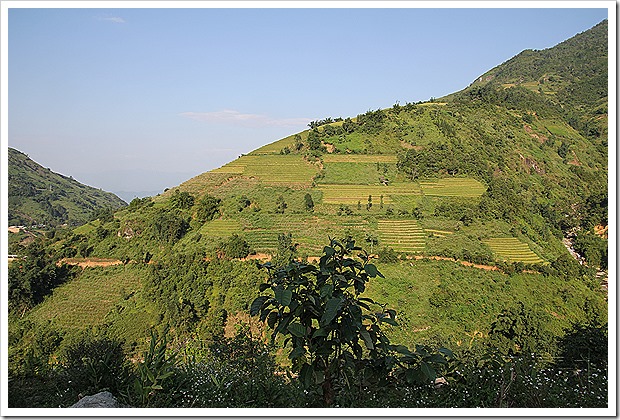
point(388, 255)
point(326, 321)
point(237, 372)
point(235, 247)
point(93, 363)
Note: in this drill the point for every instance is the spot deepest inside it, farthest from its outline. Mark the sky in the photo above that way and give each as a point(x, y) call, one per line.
point(142, 99)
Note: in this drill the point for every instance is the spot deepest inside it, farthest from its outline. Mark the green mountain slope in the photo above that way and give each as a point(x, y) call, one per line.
point(572, 75)
point(39, 196)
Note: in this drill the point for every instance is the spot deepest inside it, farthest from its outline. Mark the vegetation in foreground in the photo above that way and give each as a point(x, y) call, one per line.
point(338, 353)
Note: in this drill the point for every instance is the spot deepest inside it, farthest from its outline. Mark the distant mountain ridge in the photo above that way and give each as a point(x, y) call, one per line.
point(39, 196)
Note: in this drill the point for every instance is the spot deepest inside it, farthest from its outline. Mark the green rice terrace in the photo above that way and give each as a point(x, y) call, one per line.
point(511, 249)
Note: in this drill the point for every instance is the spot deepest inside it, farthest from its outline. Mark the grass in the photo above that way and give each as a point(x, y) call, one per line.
point(277, 146)
point(350, 173)
point(513, 250)
point(87, 299)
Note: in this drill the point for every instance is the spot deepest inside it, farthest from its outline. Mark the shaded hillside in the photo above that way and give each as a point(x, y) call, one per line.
point(39, 196)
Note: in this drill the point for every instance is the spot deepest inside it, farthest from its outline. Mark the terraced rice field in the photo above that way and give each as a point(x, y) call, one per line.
point(221, 228)
point(513, 250)
point(261, 239)
point(312, 233)
point(338, 158)
point(453, 187)
point(351, 194)
point(401, 235)
point(272, 169)
point(439, 233)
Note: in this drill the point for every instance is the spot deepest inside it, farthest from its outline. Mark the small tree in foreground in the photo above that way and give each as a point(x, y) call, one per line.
point(325, 320)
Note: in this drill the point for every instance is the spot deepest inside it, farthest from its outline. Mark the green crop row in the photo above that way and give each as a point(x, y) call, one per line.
point(453, 187)
point(272, 169)
point(402, 235)
point(338, 158)
point(512, 249)
point(351, 194)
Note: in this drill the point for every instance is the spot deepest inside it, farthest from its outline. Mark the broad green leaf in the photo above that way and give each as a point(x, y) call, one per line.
point(272, 318)
point(390, 321)
point(402, 350)
point(297, 329)
point(446, 352)
point(306, 375)
point(331, 310)
point(321, 332)
point(356, 314)
point(329, 251)
point(283, 296)
point(263, 287)
point(437, 358)
point(372, 271)
point(296, 353)
point(326, 290)
point(428, 371)
point(257, 304)
point(367, 340)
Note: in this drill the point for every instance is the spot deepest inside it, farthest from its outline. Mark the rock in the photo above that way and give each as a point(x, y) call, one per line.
point(103, 399)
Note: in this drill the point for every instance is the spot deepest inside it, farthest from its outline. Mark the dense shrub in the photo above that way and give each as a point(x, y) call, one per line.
point(237, 372)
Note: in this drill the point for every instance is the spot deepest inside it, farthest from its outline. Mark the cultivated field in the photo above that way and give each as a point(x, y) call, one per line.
point(351, 194)
point(272, 169)
point(513, 250)
point(453, 187)
point(401, 235)
point(340, 158)
point(439, 233)
point(86, 300)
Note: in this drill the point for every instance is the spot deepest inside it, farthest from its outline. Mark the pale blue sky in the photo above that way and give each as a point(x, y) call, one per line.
point(143, 99)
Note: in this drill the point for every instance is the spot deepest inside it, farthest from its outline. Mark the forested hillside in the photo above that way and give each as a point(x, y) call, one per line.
point(454, 222)
point(38, 196)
